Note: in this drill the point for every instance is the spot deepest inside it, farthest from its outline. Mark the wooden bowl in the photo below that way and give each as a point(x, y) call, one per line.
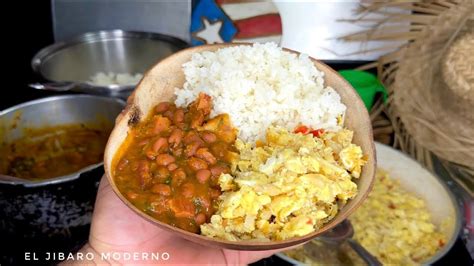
point(159, 84)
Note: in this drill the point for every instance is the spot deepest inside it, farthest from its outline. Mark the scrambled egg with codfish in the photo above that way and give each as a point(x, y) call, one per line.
point(287, 187)
point(395, 225)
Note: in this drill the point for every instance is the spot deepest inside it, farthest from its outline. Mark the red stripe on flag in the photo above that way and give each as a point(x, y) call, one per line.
point(258, 26)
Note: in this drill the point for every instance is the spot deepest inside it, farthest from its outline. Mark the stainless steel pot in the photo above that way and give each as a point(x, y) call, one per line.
point(57, 205)
point(70, 65)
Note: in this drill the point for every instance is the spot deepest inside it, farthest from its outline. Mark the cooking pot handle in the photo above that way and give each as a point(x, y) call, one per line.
point(56, 86)
point(363, 253)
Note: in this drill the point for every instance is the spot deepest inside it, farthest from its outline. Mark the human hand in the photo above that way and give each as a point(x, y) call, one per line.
point(116, 228)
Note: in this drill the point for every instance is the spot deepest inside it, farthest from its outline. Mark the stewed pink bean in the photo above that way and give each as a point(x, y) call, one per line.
point(162, 107)
point(159, 145)
point(209, 137)
point(178, 116)
point(175, 137)
point(203, 175)
point(164, 159)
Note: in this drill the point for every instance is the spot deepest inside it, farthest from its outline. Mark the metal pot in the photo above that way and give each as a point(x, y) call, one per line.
point(53, 206)
point(70, 65)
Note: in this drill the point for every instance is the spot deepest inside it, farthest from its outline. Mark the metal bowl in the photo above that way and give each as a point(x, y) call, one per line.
point(70, 65)
point(58, 205)
point(55, 111)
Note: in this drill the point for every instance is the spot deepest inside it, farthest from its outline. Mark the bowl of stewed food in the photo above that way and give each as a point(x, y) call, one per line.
point(249, 147)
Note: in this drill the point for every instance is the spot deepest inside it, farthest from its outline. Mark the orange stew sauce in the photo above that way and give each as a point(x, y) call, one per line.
point(170, 164)
point(53, 151)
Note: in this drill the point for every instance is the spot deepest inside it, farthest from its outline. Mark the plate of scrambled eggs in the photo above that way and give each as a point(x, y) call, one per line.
point(409, 218)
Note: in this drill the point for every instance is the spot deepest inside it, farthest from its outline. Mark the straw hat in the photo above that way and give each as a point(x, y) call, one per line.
point(458, 68)
point(430, 79)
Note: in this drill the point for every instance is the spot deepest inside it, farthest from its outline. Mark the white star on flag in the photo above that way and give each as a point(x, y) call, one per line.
point(210, 32)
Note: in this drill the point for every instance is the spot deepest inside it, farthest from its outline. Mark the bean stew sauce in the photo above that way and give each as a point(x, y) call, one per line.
point(49, 152)
point(171, 163)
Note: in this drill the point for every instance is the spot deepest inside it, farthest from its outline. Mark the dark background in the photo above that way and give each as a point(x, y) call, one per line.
point(26, 28)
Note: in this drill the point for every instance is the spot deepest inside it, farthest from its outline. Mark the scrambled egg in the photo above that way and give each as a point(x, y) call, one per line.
point(287, 187)
point(395, 226)
point(392, 224)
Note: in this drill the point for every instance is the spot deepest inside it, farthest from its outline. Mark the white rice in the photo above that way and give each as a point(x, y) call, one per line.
point(262, 85)
point(110, 78)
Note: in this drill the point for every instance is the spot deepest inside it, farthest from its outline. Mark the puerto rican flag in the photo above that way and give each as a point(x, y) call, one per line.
point(218, 21)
